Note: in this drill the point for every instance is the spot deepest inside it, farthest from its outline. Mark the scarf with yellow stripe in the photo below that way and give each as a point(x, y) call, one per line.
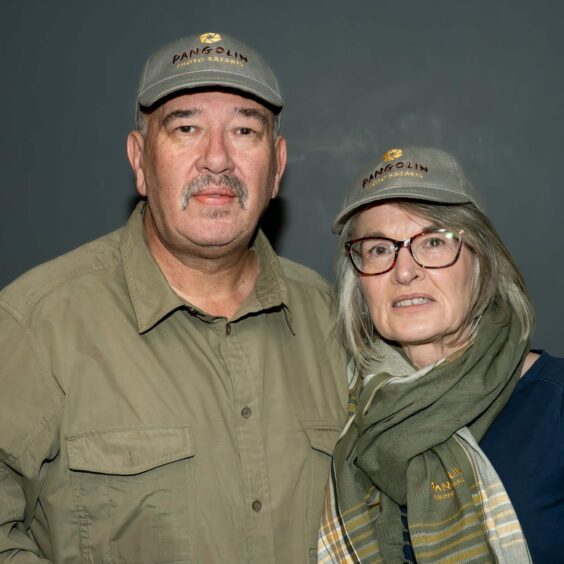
point(413, 441)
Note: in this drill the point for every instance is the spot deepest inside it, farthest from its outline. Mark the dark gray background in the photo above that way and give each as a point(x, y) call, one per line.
point(481, 78)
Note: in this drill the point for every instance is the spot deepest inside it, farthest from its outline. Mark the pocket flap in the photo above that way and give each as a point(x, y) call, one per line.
point(322, 435)
point(128, 451)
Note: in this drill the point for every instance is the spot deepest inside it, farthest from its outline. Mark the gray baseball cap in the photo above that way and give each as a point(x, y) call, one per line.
point(208, 59)
point(412, 173)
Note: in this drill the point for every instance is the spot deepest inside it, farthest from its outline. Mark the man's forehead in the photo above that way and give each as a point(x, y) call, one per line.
point(212, 100)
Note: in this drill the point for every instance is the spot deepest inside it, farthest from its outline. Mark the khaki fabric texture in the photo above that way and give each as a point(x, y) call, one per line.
point(135, 428)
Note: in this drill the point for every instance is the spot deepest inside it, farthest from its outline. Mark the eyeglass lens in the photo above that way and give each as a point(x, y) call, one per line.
point(435, 249)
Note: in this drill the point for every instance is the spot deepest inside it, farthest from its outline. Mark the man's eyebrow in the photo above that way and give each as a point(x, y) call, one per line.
point(179, 114)
point(253, 113)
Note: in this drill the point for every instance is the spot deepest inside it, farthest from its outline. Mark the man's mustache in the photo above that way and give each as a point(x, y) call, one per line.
point(194, 187)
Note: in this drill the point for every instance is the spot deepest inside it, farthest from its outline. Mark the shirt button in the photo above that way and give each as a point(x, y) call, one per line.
point(228, 329)
point(246, 412)
point(257, 505)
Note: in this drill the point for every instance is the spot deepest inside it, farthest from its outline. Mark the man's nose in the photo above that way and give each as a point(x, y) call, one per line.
point(216, 156)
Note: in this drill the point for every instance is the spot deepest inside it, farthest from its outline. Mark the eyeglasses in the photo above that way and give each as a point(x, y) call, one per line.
point(432, 248)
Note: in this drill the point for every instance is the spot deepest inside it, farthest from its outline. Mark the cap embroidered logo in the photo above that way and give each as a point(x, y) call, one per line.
point(208, 38)
point(392, 155)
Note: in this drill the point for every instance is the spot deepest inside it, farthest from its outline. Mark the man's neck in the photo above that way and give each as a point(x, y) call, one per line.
point(216, 284)
point(217, 292)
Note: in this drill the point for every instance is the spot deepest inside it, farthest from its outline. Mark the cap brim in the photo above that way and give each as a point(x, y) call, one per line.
point(199, 79)
point(436, 195)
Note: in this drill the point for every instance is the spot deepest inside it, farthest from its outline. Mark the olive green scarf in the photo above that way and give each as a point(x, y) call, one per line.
point(413, 442)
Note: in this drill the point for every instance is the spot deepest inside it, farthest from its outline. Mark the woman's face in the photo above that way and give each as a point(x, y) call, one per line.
point(421, 309)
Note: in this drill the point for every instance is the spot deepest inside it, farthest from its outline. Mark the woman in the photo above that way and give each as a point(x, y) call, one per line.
point(453, 452)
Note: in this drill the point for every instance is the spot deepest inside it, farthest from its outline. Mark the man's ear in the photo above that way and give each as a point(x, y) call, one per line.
point(135, 146)
point(280, 155)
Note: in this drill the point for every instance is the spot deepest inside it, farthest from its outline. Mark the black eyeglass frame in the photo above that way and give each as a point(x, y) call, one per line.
point(398, 245)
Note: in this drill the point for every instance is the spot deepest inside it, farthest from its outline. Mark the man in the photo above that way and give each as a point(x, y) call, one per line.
point(171, 392)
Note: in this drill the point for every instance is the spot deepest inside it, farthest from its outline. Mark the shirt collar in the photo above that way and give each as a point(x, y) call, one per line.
point(150, 293)
point(270, 289)
point(152, 297)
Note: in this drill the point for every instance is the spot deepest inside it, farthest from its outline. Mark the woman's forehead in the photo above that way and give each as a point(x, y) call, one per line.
point(388, 218)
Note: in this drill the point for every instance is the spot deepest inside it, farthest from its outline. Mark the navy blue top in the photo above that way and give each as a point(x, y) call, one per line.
point(525, 445)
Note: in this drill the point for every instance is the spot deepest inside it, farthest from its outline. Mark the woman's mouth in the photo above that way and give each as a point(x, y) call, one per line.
point(411, 302)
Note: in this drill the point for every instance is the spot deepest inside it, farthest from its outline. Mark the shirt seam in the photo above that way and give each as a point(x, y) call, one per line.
point(29, 305)
point(55, 401)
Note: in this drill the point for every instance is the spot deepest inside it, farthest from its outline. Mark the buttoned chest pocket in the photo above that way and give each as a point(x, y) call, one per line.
point(133, 490)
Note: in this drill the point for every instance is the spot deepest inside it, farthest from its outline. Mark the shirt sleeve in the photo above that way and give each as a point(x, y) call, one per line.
point(30, 404)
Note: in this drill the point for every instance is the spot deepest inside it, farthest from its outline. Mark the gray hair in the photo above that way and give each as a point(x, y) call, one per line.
point(142, 121)
point(495, 278)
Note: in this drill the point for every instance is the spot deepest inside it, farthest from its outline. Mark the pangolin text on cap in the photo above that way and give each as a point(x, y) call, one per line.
point(198, 52)
point(389, 167)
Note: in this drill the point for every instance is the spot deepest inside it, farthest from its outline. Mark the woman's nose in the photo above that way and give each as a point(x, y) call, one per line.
point(406, 269)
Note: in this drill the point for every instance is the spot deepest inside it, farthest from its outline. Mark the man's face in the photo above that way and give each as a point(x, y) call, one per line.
point(208, 165)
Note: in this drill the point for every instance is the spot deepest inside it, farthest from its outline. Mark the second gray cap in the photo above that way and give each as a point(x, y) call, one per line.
point(416, 173)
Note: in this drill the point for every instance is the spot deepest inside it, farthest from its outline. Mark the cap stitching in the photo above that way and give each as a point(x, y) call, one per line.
point(435, 186)
point(212, 71)
point(457, 170)
point(146, 69)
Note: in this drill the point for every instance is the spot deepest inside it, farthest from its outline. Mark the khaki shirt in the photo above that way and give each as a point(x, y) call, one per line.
point(135, 428)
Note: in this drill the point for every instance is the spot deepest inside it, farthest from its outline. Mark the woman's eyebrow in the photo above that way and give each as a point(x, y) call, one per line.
point(375, 234)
